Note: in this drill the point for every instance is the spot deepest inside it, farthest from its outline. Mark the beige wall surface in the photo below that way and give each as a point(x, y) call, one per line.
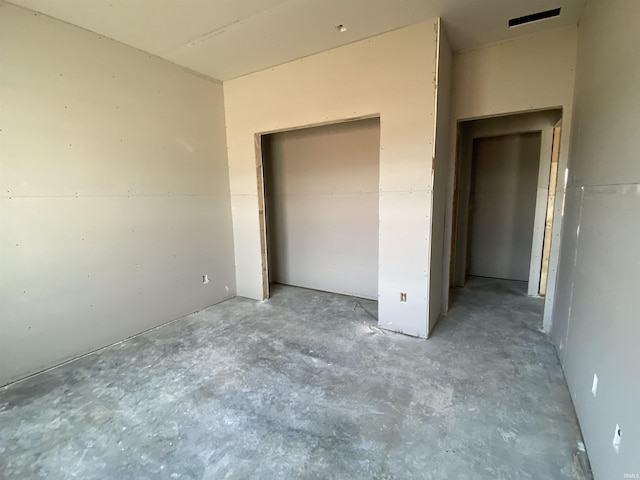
point(114, 197)
point(596, 327)
point(503, 199)
point(540, 121)
point(322, 201)
point(390, 76)
point(532, 72)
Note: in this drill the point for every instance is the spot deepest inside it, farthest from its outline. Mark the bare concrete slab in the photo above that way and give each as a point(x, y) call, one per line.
point(304, 386)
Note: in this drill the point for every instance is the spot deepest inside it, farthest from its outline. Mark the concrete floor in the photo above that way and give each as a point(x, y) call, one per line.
point(301, 386)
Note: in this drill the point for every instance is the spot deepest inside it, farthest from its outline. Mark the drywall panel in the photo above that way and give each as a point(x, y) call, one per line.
point(462, 189)
point(246, 236)
point(596, 143)
point(401, 208)
point(390, 76)
point(322, 207)
point(513, 124)
point(523, 74)
point(600, 261)
point(114, 193)
point(437, 290)
point(503, 201)
point(604, 330)
point(542, 122)
point(566, 267)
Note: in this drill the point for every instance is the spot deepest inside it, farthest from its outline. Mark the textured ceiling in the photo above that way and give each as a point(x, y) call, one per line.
point(224, 39)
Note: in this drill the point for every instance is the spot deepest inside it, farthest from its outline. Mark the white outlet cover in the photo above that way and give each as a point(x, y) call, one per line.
point(617, 437)
point(594, 386)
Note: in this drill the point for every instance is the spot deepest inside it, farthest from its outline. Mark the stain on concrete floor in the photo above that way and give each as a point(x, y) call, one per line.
point(301, 387)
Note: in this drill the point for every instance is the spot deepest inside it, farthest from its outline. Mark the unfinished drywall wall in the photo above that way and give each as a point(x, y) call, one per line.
point(114, 197)
point(469, 131)
point(503, 203)
point(441, 161)
point(390, 76)
point(321, 188)
point(596, 327)
point(528, 73)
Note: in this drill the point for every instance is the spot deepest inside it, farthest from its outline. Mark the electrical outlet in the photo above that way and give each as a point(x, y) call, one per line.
point(205, 278)
point(594, 385)
point(617, 438)
point(403, 297)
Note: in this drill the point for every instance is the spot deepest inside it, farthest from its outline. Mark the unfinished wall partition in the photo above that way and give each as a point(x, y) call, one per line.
point(502, 194)
point(596, 326)
point(524, 74)
point(114, 195)
point(502, 205)
point(321, 202)
point(391, 76)
point(441, 160)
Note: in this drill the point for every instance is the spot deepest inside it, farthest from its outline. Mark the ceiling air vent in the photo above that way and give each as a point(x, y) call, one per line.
point(534, 17)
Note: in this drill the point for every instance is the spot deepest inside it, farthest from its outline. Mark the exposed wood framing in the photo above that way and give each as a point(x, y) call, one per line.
point(553, 179)
point(262, 216)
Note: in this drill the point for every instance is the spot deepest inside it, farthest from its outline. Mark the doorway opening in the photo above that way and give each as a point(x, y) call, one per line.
point(321, 204)
point(504, 198)
point(502, 205)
